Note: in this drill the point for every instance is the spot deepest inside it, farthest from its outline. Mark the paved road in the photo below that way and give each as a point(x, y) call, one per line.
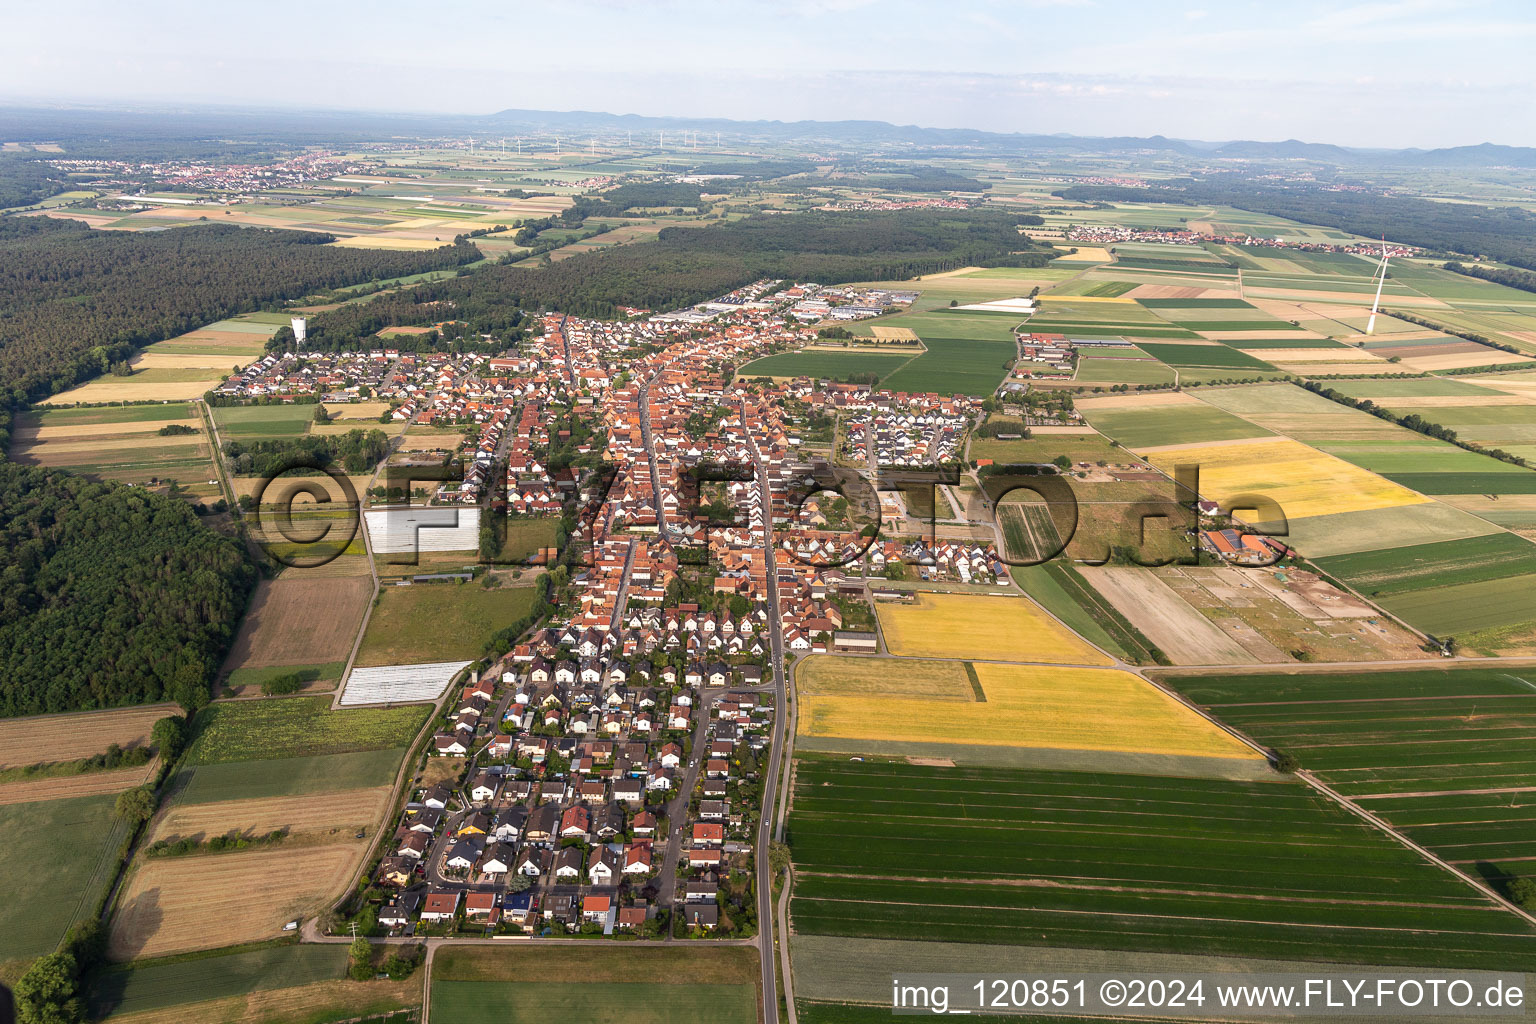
point(650, 455)
point(677, 808)
point(765, 909)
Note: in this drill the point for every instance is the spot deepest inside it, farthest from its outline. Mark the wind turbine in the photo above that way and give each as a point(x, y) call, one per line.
point(1370, 325)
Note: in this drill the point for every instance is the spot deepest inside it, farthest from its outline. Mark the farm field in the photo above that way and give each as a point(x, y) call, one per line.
point(283, 776)
point(1301, 480)
point(832, 972)
point(954, 365)
point(122, 443)
point(331, 815)
point(1085, 446)
point(1024, 706)
point(300, 622)
point(1167, 620)
point(40, 788)
point(265, 985)
point(1477, 614)
point(172, 904)
point(825, 364)
point(68, 849)
point(1127, 862)
point(1434, 467)
point(1144, 421)
point(1203, 355)
point(650, 985)
point(1402, 570)
point(262, 422)
point(1218, 614)
point(296, 727)
point(1296, 412)
point(840, 676)
point(994, 628)
point(69, 737)
point(1091, 370)
point(1445, 755)
point(442, 622)
point(256, 766)
point(1348, 532)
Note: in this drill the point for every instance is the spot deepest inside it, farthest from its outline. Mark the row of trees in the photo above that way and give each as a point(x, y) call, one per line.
point(77, 301)
point(1412, 421)
point(1510, 277)
point(357, 450)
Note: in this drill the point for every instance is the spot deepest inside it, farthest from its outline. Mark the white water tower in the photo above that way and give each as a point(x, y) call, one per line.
point(300, 329)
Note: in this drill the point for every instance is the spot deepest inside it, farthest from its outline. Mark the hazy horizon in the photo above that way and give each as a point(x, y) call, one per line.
point(1398, 75)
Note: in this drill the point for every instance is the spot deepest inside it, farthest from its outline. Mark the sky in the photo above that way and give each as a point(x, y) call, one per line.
point(1382, 74)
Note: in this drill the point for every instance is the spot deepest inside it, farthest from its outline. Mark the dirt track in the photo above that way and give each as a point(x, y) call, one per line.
point(1186, 636)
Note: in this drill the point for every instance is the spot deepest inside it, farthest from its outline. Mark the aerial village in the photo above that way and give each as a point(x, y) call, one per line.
point(613, 776)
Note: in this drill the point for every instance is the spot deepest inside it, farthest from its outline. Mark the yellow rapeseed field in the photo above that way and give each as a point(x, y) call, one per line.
point(1302, 480)
point(980, 626)
point(1030, 706)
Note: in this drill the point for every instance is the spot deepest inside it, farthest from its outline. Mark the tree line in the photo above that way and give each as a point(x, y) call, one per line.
point(1412, 421)
point(1509, 277)
point(77, 300)
point(357, 450)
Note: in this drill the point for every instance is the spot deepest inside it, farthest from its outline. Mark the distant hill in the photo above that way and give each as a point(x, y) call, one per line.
point(220, 130)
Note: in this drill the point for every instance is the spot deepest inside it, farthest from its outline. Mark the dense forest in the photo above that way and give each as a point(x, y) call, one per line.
point(76, 301)
point(685, 265)
point(752, 170)
point(109, 595)
point(25, 180)
point(1506, 233)
point(637, 196)
point(920, 179)
point(357, 450)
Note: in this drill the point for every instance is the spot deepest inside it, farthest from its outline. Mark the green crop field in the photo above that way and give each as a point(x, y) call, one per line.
point(1203, 355)
point(1262, 343)
point(68, 850)
point(609, 985)
point(107, 414)
point(954, 366)
point(1133, 862)
point(1492, 482)
point(536, 1002)
point(825, 364)
point(155, 986)
point(1400, 570)
point(1171, 424)
point(1433, 463)
point(441, 622)
point(288, 776)
point(947, 324)
point(1468, 608)
point(254, 422)
point(258, 730)
point(1446, 755)
point(1091, 370)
